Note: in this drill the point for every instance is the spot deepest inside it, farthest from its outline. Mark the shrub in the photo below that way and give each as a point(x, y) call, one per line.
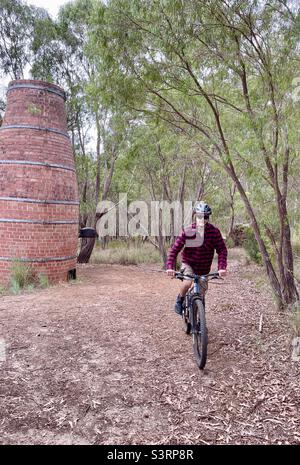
point(43, 281)
point(238, 235)
point(2, 290)
point(230, 243)
point(251, 246)
point(21, 277)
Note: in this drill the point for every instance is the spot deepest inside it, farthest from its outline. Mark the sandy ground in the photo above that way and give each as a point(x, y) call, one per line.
point(104, 360)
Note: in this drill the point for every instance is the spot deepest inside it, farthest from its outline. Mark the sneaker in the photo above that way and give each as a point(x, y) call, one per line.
point(179, 305)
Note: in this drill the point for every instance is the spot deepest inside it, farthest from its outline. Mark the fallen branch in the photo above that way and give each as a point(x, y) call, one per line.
point(260, 327)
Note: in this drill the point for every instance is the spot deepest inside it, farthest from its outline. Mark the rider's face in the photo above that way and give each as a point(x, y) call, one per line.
point(201, 218)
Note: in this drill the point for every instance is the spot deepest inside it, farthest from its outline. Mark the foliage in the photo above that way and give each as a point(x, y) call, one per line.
point(43, 281)
point(182, 100)
point(251, 247)
point(22, 276)
point(226, 87)
point(2, 290)
point(17, 24)
point(229, 243)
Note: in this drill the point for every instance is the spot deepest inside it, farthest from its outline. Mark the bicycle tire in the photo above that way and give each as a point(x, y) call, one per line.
point(200, 338)
point(185, 318)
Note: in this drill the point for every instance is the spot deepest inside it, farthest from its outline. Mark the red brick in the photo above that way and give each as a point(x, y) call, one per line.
point(45, 109)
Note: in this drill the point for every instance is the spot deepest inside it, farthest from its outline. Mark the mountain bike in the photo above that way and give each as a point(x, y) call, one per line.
point(193, 314)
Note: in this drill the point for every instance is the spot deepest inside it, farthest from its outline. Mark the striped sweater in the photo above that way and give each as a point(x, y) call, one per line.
point(199, 257)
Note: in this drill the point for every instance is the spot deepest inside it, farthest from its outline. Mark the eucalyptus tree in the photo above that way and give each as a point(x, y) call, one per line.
point(160, 165)
point(17, 20)
point(61, 55)
point(222, 72)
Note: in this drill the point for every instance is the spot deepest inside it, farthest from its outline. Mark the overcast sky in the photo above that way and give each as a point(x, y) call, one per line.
point(52, 6)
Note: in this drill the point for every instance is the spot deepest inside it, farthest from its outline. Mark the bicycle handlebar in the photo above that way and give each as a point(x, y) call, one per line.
point(214, 275)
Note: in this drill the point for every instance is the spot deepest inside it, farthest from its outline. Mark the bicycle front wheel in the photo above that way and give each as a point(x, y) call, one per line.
point(200, 338)
point(185, 317)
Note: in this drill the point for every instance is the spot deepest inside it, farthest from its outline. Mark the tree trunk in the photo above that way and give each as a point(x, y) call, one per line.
point(262, 247)
point(87, 246)
point(98, 174)
point(288, 284)
point(108, 179)
point(83, 217)
point(162, 241)
point(231, 226)
point(162, 247)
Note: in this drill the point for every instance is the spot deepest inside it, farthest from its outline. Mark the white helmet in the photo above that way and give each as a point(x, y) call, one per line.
point(201, 208)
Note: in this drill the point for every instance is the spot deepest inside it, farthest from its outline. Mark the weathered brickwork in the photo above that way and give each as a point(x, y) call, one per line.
point(41, 146)
point(41, 182)
point(38, 187)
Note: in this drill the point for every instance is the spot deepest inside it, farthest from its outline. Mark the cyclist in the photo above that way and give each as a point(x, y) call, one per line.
point(199, 242)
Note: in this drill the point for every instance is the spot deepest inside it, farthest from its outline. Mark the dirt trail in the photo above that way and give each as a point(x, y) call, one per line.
point(105, 361)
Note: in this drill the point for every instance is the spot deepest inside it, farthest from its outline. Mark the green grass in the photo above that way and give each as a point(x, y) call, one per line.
point(24, 278)
point(43, 281)
point(121, 253)
point(3, 291)
point(21, 277)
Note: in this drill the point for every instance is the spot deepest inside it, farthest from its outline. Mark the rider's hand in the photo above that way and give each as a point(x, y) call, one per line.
point(222, 273)
point(171, 273)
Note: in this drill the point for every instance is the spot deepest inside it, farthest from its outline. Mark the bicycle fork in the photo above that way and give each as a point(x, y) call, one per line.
point(194, 326)
point(196, 291)
point(191, 315)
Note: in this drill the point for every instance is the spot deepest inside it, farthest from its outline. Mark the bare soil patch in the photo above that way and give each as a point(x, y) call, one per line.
point(105, 361)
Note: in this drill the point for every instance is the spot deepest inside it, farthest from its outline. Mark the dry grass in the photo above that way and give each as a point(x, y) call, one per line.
point(238, 253)
point(24, 279)
point(125, 254)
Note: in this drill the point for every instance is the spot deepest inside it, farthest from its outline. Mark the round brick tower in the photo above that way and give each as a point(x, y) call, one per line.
point(38, 188)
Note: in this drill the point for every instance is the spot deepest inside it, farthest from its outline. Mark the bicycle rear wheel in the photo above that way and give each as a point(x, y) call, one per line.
point(199, 332)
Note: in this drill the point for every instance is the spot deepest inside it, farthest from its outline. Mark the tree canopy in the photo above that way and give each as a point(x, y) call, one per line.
point(195, 98)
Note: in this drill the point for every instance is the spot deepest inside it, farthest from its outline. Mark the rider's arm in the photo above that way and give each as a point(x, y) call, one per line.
point(174, 251)
point(221, 250)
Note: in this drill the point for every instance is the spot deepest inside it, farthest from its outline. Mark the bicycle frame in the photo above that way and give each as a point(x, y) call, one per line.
point(196, 285)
